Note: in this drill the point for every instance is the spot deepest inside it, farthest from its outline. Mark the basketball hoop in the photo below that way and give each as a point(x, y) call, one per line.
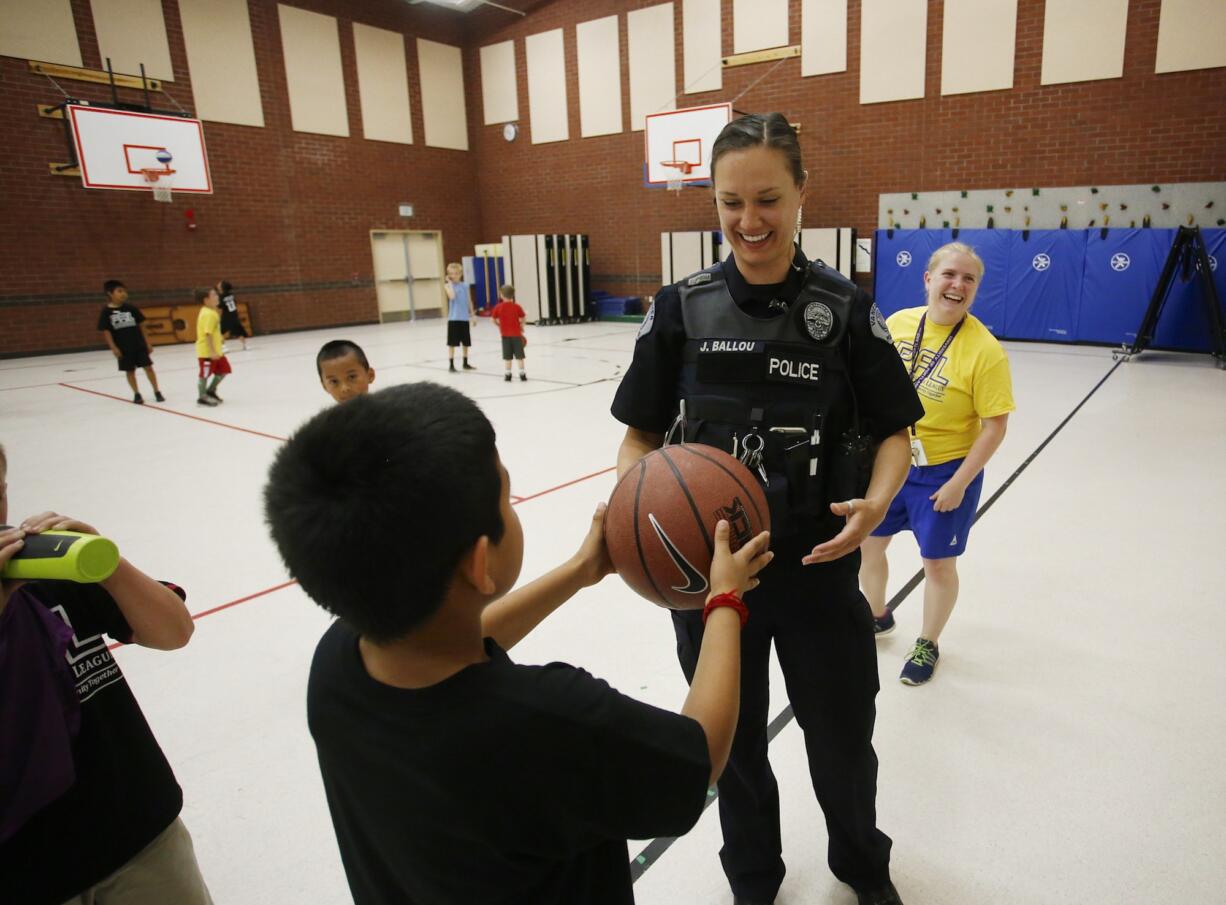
point(684, 167)
point(160, 182)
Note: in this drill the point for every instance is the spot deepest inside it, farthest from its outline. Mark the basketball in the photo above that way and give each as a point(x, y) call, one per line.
point(164, 157)
point(660, 523)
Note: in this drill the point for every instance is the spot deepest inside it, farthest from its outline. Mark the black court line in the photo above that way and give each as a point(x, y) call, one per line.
point(657, 847)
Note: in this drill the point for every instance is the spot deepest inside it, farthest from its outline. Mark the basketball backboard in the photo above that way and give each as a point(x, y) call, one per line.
point(115, 146)
point(678, 143)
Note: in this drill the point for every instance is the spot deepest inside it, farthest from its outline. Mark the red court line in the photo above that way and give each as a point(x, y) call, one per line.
point(586, 477)
point(173, 412)
point(286, 584)
point(226, 606)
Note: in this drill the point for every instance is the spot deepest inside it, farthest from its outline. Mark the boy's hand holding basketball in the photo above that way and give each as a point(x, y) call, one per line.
point(592, 557)
point(736, 572)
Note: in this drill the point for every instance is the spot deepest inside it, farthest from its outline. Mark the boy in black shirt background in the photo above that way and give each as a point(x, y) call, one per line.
point(121, 326)
point(454, 775)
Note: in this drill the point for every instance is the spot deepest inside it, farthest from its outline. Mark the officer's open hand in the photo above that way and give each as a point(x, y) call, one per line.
point(862, 517)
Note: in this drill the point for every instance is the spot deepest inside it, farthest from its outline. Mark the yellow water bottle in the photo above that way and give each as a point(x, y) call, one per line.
point(63, 556)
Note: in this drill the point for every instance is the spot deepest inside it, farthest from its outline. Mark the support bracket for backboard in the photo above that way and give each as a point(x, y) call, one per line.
point(761, 56)
point(57, 71)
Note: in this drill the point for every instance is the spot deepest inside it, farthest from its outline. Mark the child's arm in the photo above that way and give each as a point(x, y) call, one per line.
point(714, 700)
point(110, 343)
point(145, 336)
point(215, 339)
point(11, 542)
point(509, 619)
point(448, 287)
point(156, 615)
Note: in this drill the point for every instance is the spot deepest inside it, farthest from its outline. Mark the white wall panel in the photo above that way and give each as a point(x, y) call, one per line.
point(823, 36)
point(383, 84)
point(1083, 40)
point(977, 41)
point(653, 70)
point(1191, 35)
point(600, 77)
point(701, 46)
point(311, 47)
point(443, 114)
point(759, 24)
point(39, 31)
point(499, 83)
point(893, 42)
point(547, 86)
point(221, 59)
point(132, 32)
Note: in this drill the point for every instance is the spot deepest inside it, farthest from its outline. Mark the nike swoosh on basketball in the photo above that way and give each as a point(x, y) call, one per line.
point(695, 582)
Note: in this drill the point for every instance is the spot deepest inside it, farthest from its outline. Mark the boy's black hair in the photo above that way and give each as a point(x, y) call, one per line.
point(111, 285)
point(372, 504)
point(224, 288)
point(338, 348)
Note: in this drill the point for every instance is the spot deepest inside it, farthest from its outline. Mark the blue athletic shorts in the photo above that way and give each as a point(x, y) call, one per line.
point(940, 534)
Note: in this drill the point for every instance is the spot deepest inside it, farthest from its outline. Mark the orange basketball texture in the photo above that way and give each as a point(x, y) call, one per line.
point(660, 523)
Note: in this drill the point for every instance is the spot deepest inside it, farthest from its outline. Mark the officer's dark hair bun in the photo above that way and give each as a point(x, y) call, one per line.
point(770, 129)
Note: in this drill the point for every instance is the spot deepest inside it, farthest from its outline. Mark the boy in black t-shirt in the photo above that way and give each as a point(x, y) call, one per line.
point(454, 775)
point(105, 826)
point(122, 328)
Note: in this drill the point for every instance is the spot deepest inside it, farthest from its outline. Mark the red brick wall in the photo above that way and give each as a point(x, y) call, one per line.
point(290, 218)
point(288, 223)
point(1138, 129)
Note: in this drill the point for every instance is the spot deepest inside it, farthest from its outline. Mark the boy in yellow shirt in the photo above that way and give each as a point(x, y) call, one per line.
point(209, 353)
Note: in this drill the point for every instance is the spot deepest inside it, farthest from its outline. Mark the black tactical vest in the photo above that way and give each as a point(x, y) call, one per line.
point(777, 384)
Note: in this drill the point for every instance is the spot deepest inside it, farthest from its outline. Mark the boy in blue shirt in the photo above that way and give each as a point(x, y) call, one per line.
point(460, 315)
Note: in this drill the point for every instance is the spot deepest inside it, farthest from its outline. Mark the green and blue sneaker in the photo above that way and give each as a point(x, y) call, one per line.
point(921, 663)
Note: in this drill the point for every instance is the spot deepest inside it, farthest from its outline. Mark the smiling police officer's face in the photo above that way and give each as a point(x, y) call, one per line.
point(757, 202)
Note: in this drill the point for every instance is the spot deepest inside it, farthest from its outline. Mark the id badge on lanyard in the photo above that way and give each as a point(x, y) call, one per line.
point(918, 456)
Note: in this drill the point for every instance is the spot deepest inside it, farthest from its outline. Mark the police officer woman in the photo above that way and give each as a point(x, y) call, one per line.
point(787, 365)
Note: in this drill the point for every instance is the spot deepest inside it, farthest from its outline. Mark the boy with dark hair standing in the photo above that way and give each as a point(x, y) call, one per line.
point(105, 826)
point(122, 327)
point(344, 371)
point(510, 318)
point(453, 774)
point(209, 350)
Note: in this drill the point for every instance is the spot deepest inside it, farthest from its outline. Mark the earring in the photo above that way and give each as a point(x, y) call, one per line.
point(799, 214)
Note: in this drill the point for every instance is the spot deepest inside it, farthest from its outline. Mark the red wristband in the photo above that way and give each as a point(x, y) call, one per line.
point(730, 600)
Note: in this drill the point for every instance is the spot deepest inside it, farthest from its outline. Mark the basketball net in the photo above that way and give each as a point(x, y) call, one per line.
point(160, 182)
point(676, 180)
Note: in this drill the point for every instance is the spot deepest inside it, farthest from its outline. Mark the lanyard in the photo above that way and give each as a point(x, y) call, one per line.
point(932, 363)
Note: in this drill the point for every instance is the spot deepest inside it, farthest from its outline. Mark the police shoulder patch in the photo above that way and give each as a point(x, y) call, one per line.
point(648, 322)
point(698, 278)
point(876, 321)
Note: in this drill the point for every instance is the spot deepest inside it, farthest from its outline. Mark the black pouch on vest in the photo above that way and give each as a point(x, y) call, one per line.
point(850, 467)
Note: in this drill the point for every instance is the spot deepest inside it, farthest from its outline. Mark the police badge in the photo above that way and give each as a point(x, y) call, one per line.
point(819, 320)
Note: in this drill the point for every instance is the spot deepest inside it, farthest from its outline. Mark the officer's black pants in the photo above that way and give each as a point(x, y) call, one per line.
point(823, 634)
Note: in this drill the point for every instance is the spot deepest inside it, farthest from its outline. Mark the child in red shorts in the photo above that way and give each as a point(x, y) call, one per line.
point(510, 319)
point(209, 353)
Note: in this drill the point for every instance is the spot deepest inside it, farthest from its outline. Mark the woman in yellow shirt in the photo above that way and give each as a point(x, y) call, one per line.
point(962, 376)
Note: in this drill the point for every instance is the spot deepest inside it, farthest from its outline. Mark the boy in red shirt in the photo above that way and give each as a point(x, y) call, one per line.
point(510, 318)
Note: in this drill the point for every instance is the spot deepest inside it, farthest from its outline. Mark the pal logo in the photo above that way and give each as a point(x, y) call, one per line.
point(1041, 262)
point(1120, 262)
point(903, 259)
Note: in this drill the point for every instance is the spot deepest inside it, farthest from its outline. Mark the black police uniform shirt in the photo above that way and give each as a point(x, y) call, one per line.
point(125, 793)
point(501, 785)
point(123, 323)
point(647, 397)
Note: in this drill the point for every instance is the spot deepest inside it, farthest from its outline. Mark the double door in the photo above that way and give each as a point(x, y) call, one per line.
point(408, 273)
